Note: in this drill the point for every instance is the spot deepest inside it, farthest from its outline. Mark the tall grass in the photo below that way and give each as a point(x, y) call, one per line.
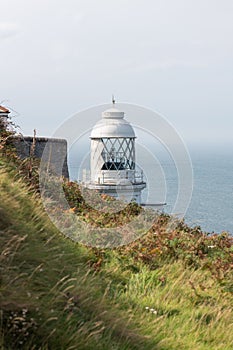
point(57, 294)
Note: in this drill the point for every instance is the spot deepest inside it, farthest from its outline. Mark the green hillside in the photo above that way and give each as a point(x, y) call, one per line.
point(165, 291)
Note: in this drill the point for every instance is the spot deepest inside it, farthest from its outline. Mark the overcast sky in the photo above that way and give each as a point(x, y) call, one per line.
point(173, 56)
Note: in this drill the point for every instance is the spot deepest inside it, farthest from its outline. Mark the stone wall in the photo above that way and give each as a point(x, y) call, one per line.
point(51, 151)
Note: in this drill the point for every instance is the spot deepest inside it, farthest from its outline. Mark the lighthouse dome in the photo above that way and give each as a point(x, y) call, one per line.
point(112, 125)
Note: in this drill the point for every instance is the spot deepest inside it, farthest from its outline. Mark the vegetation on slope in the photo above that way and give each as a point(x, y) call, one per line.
point(50, 297)
point(170, 289)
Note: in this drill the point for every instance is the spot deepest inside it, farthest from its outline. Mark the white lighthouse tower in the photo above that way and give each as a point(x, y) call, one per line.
point(113, 167)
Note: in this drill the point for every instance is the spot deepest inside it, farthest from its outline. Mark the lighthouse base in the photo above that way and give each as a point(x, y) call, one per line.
point(126, 193)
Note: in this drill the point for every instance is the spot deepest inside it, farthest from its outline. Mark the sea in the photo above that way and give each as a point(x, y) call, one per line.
point(211, 204)
point(211, 200)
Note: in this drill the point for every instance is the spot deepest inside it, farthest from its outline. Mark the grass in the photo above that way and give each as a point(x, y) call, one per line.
point(165, 291)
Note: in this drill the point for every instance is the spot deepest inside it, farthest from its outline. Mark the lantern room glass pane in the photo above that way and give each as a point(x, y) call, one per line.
point(118, 154)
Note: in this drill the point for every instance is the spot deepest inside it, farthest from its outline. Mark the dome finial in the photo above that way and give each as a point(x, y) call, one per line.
point(113, 100)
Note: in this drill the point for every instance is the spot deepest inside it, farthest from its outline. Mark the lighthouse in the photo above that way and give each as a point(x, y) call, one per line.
point(113, 169)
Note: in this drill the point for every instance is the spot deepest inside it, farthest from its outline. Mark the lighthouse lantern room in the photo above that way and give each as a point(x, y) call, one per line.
point(113, 167)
